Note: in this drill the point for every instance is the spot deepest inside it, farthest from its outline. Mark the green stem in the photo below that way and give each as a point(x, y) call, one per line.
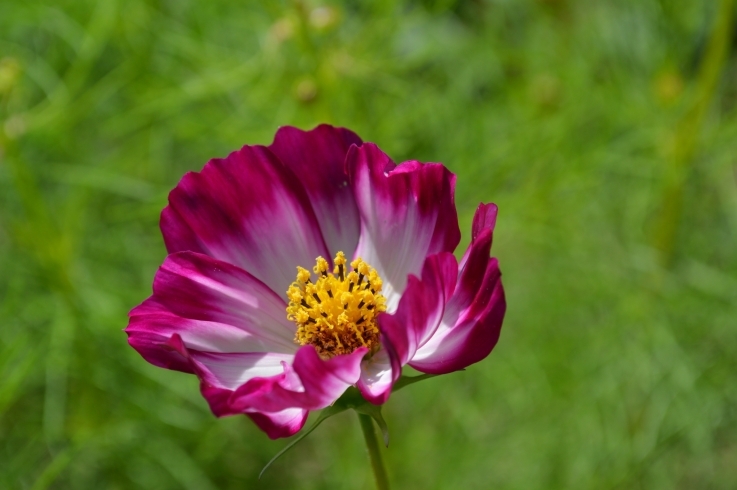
point(372, 444)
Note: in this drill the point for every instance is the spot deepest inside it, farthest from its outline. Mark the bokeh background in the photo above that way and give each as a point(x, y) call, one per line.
point(606, 131)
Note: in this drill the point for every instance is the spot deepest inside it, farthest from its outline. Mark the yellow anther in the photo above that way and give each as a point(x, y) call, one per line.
point(294, 294)
point(303, 275)
point(360, 266)
point(321, 267)
point(301, 317)
point(375, 280)
point(336, 312)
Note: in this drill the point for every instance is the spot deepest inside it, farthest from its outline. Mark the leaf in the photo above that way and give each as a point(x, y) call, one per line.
point(409, 380)
point(324, 415)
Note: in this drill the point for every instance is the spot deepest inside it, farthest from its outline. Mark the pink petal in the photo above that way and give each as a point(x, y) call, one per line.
point(407, 213)
point(473, 317)
point(233, 370)
point(483, 219)
point(421, 307)
point(275, 390)
point(472, 337)
point(228, 371)
point(152, 346)
point(155, 328)
point(379, 373)
point(416, 319)
point(285, 423)
point(325, 380)
point(213, 306)
point(317, 158)
point(248, 209)
point(310, 382)
point(219, 374)
point(213, 319)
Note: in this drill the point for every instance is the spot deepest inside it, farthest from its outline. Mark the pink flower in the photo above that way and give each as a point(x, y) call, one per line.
point(272, 341)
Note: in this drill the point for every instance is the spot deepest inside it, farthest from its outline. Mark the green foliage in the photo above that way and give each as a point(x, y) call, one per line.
point(616, 366)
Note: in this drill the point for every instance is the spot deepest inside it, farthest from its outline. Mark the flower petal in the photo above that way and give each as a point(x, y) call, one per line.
point(421, 307)
point(407, 213)
point(484, 219)
point(418, 315)
point(472, 337)
point(233, 370)
point(152, 329)
point(379, 373)
point(229, 370)
point(213, 306)
point(220, 373)
point(310, 382)
point(317, 158)
point(473, 317)
point(325, 380)
point(284, 423)
point(152, 346)
point(247, 209)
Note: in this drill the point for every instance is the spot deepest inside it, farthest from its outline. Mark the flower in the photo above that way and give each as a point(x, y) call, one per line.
point(233, 303)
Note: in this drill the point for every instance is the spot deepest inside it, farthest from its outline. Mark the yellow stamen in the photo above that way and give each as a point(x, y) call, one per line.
point(337, 312)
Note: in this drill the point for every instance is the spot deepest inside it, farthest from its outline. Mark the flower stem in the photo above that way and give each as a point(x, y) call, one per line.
point(372, 444)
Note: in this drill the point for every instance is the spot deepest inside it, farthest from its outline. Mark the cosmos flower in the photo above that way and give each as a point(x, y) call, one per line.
point(235, 303)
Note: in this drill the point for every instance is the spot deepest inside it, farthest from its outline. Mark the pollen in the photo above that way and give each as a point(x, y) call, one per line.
point(336, 310)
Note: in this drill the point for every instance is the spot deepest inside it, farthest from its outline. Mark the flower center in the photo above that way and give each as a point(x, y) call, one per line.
point(337, 312)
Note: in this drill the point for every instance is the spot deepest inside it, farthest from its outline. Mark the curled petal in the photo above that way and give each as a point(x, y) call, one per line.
point(153, 347)
point(379, 373)
point(484, 220)
point(417, 317)
point(219, 375)
point(317, 158)
point(325, 380)
point(284, 423)
point(407, 213)
point(310, 382)
point(421, 307)
point(474, 334)
point(279, 397)
point(473, 317)
point(248, 209)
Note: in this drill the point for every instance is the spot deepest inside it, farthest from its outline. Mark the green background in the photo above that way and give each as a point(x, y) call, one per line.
point(606, 131)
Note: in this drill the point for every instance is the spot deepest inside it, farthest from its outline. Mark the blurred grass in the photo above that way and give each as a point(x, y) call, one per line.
point(616, 367)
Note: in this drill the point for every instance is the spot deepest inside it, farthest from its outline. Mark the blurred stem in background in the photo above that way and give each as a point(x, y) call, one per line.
point(688, 130)
point(44, 237)
point(47, 232)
